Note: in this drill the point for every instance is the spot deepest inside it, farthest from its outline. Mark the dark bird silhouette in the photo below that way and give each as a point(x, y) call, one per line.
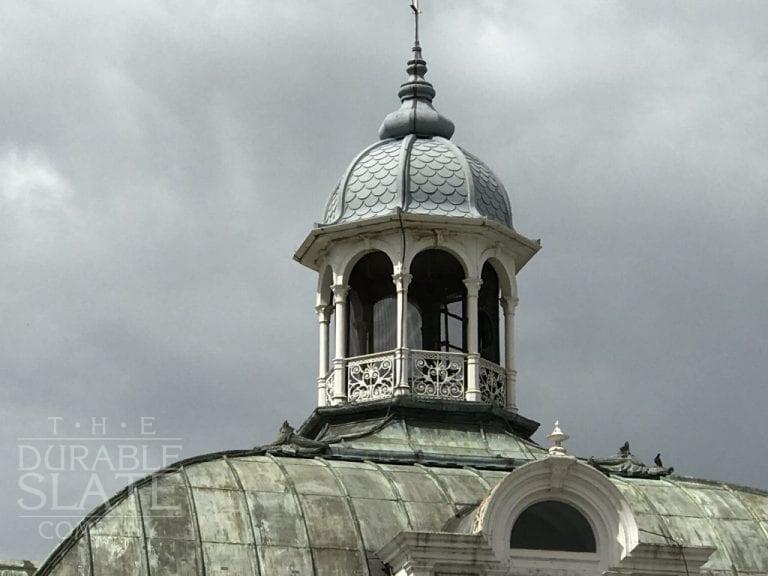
point(624, 450)
point(658, 461)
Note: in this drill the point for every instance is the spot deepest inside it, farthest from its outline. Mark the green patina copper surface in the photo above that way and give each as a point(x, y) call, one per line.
point(16, 568)
point(267, 511)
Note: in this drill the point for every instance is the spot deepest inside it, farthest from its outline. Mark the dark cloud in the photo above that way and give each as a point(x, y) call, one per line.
point(159, 162)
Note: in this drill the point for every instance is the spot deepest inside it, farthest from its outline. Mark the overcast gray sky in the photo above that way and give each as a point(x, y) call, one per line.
point(160, 161)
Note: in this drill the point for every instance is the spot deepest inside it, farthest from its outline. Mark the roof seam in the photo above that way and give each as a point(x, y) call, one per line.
point(239, 483)
point(90, 549)
point(483, 481)
point(746, 505)
point(353, 513)
point(440, 487)
point(468, 176)
point(300, 507)
point(143, 529)
point(395, 490)
point(651, 506)
point(196, 519)
point(347, 174)
point(712, 526)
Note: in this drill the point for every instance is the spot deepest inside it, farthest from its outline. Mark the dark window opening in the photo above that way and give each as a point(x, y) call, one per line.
point(437, 292)
point(372, 305)
point(488, 315)
point(552, 525)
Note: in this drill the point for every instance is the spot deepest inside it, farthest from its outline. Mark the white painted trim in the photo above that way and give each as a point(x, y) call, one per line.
point(566, 479)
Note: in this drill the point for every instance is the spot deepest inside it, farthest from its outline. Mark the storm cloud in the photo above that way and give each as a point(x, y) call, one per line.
point(160, 161)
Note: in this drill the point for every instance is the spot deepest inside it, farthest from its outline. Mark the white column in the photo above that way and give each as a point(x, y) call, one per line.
point(473, 356)
point(323, 319)
point(339, 394)
point(402, 281)
point(509, 305)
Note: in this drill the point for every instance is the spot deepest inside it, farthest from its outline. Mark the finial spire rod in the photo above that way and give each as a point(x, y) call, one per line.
point(416, 12)
point(416, 114)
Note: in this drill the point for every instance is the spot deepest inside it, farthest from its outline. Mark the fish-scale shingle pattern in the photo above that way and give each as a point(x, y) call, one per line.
point(491, 198)
point(372, 185)
point(332, 206)
point(435, 177)
point(437, 184)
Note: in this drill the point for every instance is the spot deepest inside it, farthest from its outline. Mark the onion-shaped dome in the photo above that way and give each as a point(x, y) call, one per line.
point(416, 168)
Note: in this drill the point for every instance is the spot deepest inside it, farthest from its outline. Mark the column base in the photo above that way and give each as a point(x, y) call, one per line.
point(473, 378)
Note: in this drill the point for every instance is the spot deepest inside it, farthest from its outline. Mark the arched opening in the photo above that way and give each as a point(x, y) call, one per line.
point(488, 315)
point(438, 296)
point(372, 306)
point(553, 525)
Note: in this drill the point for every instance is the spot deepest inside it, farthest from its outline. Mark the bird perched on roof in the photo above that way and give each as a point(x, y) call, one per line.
point(657, 460)
point(624, 450)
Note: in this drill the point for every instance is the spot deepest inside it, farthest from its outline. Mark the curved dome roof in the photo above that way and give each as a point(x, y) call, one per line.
point(419, 175)
point(325, 506)
point(416, 168)
point(256, 515)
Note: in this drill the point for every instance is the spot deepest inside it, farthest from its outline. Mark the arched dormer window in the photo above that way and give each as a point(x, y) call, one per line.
point(553, 525)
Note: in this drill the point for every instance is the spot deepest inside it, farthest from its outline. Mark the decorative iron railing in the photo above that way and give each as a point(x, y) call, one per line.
point(493, 383)
point(329, 381)
point(437, 374)
point(428, 374)
point(370, 377)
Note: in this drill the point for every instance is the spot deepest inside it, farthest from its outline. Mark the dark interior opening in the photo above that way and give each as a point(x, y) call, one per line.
point(552, 525)
point(372, 306)
point(488, 315)
point(437, 291)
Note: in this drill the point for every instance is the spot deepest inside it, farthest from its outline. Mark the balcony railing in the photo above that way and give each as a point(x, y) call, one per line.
point(371, 377)
point(425, 373)
point(438, 374)
point(492, 383)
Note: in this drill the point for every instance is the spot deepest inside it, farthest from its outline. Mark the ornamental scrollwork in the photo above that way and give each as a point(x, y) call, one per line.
point(493, 382)
point(329, 384)
point(370, 378)
point(438, 375)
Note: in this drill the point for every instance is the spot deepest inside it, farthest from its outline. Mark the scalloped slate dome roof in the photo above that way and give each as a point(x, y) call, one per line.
point(421, 176)
point(416, 168)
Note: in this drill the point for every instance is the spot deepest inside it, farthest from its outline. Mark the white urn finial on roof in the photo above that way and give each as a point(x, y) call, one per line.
point(557, 437)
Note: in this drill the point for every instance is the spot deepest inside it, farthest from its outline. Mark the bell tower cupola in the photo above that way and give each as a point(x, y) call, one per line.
point(417, 262)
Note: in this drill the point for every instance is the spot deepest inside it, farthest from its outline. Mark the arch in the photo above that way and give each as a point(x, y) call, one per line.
point(504, 267)
point(349, 254)
point(455, 249)
point(324, 283)
point(567, 480)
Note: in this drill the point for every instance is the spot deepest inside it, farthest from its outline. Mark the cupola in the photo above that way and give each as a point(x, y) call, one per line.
point(417, 262)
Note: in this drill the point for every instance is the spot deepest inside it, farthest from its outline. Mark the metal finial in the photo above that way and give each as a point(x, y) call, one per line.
point(416, 12)
point(416, 115)
point(557, 437)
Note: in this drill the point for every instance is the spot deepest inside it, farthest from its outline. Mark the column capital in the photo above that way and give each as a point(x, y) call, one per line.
point(473, 286)
point(509, 304)
point(402, 280)
point(323, 312)
point(340, 292)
